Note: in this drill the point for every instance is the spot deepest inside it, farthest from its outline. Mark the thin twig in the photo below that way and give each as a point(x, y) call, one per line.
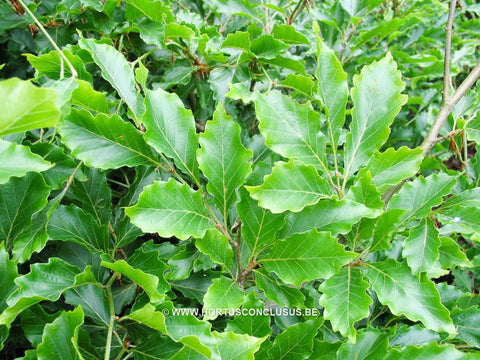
point(298, 9)
point(447, 81)
point(40, 26)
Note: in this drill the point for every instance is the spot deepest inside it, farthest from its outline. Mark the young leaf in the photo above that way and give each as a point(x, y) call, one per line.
point(281, 294)
point(291, 186)
point(171, 130)
point(259, 225)
point(223, 294)
point(336, 216)
point(419, 196)
point(404, 294)
point(223, 159)
point(60, 338)
point(216, 246)
point(72, 224)
point(306, 257)
point(117, 72)
point(26, 107)
point(171, 209)
point(105, 142)
point(20, 199)
point(254, 325)
point(333, 90)
point(392, 166)
point(296, 342)
point(291, 129)
point(17, 160)
point(345, 300)
point(421, 247)
point(377, 100)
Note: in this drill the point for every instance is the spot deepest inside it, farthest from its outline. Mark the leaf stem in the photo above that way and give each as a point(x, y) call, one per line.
point(47, 35)
point(111, 307)
point(298, 9)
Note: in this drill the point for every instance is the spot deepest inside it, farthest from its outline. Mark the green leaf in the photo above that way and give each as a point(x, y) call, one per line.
point(421, 246)
point(173, 30)
point(50, 65)
point(377, 100)
point(259, 225)
point(26, 107)
point(153, 10)
point(8, 269)
point(44, 282)
point(371, 345)
point(149, 282)
point(87, 97)
point(472, 129)
point(20, 199)
point(33, 323)
point(392, 166)
point(336, 216)
point(266, 46)
point(238, 40)
point(72, 224)
point(451, 255)
point(306, 257)
point(105, 142)
point(223, 159)
point(291, 186)
point(427, 352)
point(171, 130)
point(223, 294)
point(60, 338)
point(289, 35)
point(345, 300)
point(148, 316)
point(291, 129)
point(467, 322)
point(196, 285)
point(217, 247)
point(420, 195)
point(117, 72)
point(92, 299)
point(386, 228)
point(233, 346)
point(254, 325)
point(404, 294)
point(364, 192)
point(171, 209)
point(17, 160)
point(156, 346)
point(333, 90)
point(300, 83)
point(296, 342)
point(281, 294)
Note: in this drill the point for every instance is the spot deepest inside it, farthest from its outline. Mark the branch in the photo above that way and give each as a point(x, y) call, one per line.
point(298, 9)
point(447, 81)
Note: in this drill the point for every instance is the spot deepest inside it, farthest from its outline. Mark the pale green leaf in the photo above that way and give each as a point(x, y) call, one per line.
point(223, 294)
point(171, 209)
point(17, 160)
point(8, 269)
point(288, 34)
point(336, 216)
point(105, 142)
point(254, 325)
point(223, 159)
point(364, 192)
point(154, 10)
point(259, 225)
point(117, 71)
point(404, 294)
point(171, 130)
point(428, 352)
point(173, 30)
point(291, 186)
point(333, 90)
point(302, 84)
point(451, 255)
point(87, 97)
point(238, 40)
point(472, 129)
point(377, 100)
point(26, 107)
point(296, 342)
point(266, 46)
point(345, 300)
point(217, 247)
point(370, 344)
point(20, 199)
point(233, 346)
point(306, 257)
point(60, 338)
point(392, 166)
point(291, 129)
point(148, 316)
point(420, 195)
point(72, 224)
point(420, 248)
point(281, 294)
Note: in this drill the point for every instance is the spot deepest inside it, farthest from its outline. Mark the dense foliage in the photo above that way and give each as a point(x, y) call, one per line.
point(316, 159)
